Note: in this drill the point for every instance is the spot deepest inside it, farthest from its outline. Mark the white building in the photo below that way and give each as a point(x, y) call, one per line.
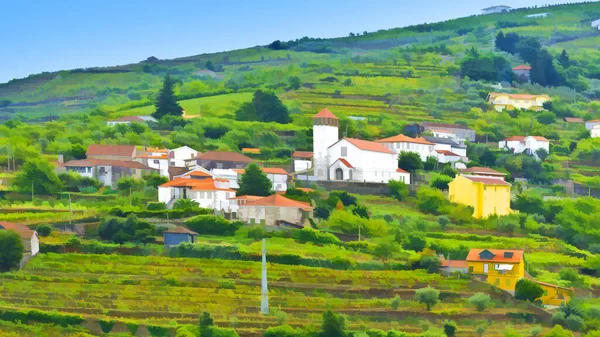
point(595, 133)
point(108, 172)
point(536, 16)
point(596, 24)
point(208, 192)
point(445, 156)
point(528, 145)
point(496, 9)
point(448, 144)
point(278, 176)
point(157, 159)
point(178, 156)
point(402, 143)
point(29, 237)
point(591, 123)
point(350, 159)
point(132, 119)
point(302, 160)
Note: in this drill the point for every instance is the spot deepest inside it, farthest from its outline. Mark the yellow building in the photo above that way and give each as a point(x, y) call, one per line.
point(504, 268)
point(487, 195)
point(501, 101)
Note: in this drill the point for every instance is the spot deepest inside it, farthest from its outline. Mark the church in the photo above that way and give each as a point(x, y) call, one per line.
point(350, 159)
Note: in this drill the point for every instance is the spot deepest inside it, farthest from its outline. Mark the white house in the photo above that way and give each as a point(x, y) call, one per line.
point(208, 192)
point(496, 9)
point(178, 156)
point(132, 119)
point(302, 160)
point(402, 143)
point(350, 159)
point(596, 24)
point(595, 133)
point(107, 171)
point(278, 176)
point(448, 144)
point(157, 159)
point(528, 145)
point(29, 238)
point(445, 156)
point(275, 210)
point(591, 123)
point(536, 16)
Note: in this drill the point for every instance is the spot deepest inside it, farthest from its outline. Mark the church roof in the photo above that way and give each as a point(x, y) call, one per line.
point(325, 113)
point(366, 145)
point(345, 162)
point(404, 139)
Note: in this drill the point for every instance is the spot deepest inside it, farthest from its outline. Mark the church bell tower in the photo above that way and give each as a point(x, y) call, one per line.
point(325, 134)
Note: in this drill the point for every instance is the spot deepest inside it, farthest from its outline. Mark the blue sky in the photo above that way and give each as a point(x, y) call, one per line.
point(44, 35)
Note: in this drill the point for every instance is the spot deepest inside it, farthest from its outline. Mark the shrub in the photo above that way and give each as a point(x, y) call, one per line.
point(280, 316)
point(430, 262)
point(394, 333)
point(376, 333)
point(480, 301)
point(414, 242)
point(449, 328)
point(398, 190)
point(12, 250)
point(156, 206)
point(575, 323)
point(536, 331)
point(106, 326)
point(441, 182)
point(558, 331)
point(158, 331)
point(428, 296)
point(443, 221)
point(528, 290)
point(186, 204)
point(44, 230)
point(310, 235)
point(280, 331)
point(559, 318)
point(210, 224)
point(395, 302)
point(132, 327)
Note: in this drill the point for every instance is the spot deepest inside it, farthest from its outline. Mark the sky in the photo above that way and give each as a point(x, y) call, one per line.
point(43, 35)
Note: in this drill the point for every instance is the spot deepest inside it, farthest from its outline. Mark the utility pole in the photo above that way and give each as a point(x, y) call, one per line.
point(264, 302)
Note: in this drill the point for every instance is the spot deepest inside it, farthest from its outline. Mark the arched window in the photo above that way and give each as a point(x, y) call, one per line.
point(339, 174)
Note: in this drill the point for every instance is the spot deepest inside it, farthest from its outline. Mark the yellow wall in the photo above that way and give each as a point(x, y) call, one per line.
point(485, 199)
point(505, 102)
point(506, 281)
point(554, 295)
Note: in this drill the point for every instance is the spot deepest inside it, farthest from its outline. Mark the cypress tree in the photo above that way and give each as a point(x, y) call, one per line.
point(255, 182)
point(166, 104)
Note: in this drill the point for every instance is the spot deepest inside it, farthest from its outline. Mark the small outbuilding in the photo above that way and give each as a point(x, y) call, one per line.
point(177, 235)
point(28, 236)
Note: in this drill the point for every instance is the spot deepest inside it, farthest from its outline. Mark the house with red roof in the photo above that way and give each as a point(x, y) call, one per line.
point(28, 236)
point(208, 191)
point(302, 160)
point(522, 71)
point(276, 210)
point(525, 144)
point(350, 159)
point(402, 143)
point(155, 158)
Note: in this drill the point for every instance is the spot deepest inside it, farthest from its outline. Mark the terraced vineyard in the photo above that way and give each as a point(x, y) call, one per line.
point(164, 290)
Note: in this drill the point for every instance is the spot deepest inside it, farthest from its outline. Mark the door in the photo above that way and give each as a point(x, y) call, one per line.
point(339, 174)
point(485, 268)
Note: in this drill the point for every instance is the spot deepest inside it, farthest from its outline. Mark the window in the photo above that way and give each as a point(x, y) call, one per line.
point(508, 282)
point(470, 269)
point(545, 292)
point(156, 161)
point(209, 195)
point(201, 195)
point(344, 151)
point(172, 163)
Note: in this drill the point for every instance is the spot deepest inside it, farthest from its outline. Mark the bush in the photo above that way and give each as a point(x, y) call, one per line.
point(575, 323)
point(449, 328)
point(431, 263)
point(214, 225)
point(280, 331)
point(158, 331)
point(395, 302)
point(429, 296)
point(528, 290)
point(443, 221)
point(558, 331)
point(132, 327)
point(12, 250)
point(440, 182)
point(156, 206)
point(106, 326)
point(44, 230)
point(480, 301)
point(398, 190)
point(310, 235)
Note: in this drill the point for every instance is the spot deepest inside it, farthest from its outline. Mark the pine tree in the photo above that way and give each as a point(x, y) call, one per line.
point(564, 60)
point(255, 182)
point(166, 104)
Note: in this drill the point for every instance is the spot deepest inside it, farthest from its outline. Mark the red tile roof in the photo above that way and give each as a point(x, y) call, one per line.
point(180, 230)
point(540, 138)
point(345, 162)
point(447, 153)
point(107, 150)
point(400, 170)
point(302, 154)
point(499, 256)
point(130, 119)
point(107, 162)
point(454, 263)
point(252, 150)
point(225, 156)
point(515, 138)
point(594, 121)
point(483, 170)
point(156, 149)
point(23, 231)
point(574, 120)
point(277, 200)
point(246, 197)
point(207, 184)
point(151, 156)
point(366, 145)
point(325, 113)
point(197, 173)
point(487, 180)
point(266, 170)
point(404, 139)
point(522, 67)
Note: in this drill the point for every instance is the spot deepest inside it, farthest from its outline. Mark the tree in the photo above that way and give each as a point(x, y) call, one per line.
point(528, 290)
point(77, 151)
point(348, 82)
point(575, 322)
point(430, 163)
point(210, 65)
point(430, 200)
point(414, 242)
point(443, 221)
point(449, 328)
point(481, 329)
point(254, 182)
point(11, 250)
point(563, 59)
point(535, 331)
point(480, 301)
point(205, 324)
point(395, 302)
point(281, 331)
point(440, 182)
point(333, 325)
point(541, 153)
point(44, 230)
point(386, 249)
point(546, 117)
point(409, 161)
point(186, 204)
point(428, 296)
point(559, 331)
point(265, 107)
point(430, 262)
point(130, 184)
point(166, 104)
point(39, 175)
point(398, 189)
point(294, 82)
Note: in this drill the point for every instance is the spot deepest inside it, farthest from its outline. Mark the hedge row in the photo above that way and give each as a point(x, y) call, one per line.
point(97, 247)
point(159, 214)
point(53, 317)
point(208, 251)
